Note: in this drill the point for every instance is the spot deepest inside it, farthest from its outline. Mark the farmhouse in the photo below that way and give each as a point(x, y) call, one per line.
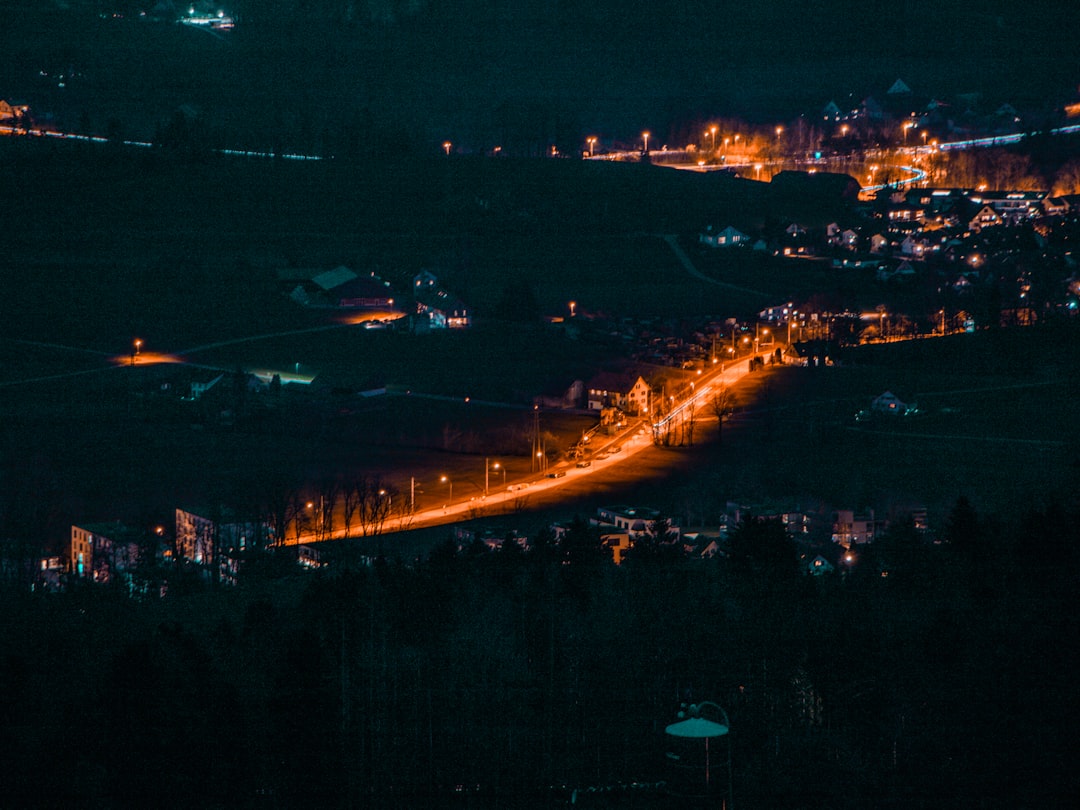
point(624, 390)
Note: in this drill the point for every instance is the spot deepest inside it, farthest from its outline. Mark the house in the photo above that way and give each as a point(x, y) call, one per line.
point(12, 114)
point(728, 237)
point(1013, 206)
point(794, 520)
point(201, 386)
point(218, 541)
point(915, 245)
point(102, 552)
point(878, 243)
point(849, 528)
point(339, 287)
point(986, 217)
point(819, 566)
point(1055, 206)
point(621, 526)
point(624, 390)
point(439, 309)
point(891, 404)
point(363, 292)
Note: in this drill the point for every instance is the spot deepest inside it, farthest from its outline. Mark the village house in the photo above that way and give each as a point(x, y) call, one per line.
point(101, 552)
point(437, 308)
point(217, 539)
point(891, 404)
point(986, 217)
point(626, 391)
point(850, 529)
point(728, 237)
point(339, 287)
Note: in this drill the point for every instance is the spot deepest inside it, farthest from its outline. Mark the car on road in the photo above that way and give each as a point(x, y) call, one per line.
point(559, 474)
point(584, 464)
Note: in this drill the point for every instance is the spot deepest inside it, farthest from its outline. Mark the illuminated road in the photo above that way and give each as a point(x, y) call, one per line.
point(692, 403)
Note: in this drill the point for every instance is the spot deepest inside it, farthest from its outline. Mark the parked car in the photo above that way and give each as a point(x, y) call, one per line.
point(584, 464)
point(558, 474)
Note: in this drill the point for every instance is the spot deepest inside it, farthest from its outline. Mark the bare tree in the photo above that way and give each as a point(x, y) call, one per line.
point(278, 504)
point(722, 404)
point(351, 497)
point(329, 494)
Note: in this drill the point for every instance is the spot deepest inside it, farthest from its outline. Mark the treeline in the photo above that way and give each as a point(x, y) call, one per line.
point(920, 675)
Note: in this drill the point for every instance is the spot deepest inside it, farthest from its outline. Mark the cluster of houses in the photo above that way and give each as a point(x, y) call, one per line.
point(963, 236)
point(214, 543)
point(899, 109)
point(826, 541)
point(341, 288)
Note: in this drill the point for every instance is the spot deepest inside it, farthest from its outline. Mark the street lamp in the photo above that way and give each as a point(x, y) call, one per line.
point(573, 308)
point(592, 145)
point(645, 136)
point(757, 171)
point(446, 480)
point(907, 125)
point(136, 347)
point(712, 131)
point(779, 130)
point(694, 725)
point(446, 147)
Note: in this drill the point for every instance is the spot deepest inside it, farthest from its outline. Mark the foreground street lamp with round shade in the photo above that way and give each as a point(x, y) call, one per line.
point(705, 721)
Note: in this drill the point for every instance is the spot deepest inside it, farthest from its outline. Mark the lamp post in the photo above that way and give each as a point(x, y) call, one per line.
point(694, 725)
point(712, 131)
point(446, 146)
point(592, 145)
point(446, 480)
point(645, 137)
point(498, 468)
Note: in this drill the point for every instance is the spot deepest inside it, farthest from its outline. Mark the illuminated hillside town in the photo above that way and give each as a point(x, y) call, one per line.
point(519, 405)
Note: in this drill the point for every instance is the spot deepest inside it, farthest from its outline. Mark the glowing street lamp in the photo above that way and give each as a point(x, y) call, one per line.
point(498, 468)
point(779, 131)
point(712, 131)
point(446, 146)
point(757, 171)
point(645, 137)
point(135, 349)
point(907, 125)
point(446, 480)
point(573, 308)
point(592, 145)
